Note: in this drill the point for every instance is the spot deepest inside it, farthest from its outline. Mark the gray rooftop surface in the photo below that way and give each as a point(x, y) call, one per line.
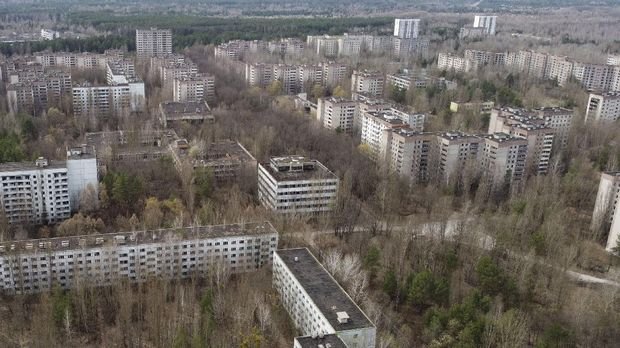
point(139, 237)
point(323, 289)
point(319, 172)
point(310, 342)
point(21, 166)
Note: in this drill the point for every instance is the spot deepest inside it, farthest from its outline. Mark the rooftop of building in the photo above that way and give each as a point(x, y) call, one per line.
point(409, 133)
point(39, 164)
point(292, 168)
point(369, 73)
point(388, 116)
point(323, 341)
point(225, 151)
point(456, 135)
point(184, 108)
point(81, 152)
point(195, 77)
point(139, 237)
point(504, 138)
point(609, 94)
point(121, 137)
point(323, 290)
point(338, 100)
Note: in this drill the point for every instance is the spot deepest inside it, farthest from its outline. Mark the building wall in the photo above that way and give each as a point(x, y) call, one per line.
point(80, 174)
point(40, 268)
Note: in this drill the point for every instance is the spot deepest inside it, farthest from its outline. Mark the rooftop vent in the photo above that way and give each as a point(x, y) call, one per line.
point(41, 162)
point(343, 317)
point(296, 259)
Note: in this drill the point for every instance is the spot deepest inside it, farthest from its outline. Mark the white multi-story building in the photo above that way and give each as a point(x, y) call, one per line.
point(456, 154)
point(406, 28)
point(367, 82)
point(502, 158)
point(48, 34)
point(449, 61)
point(409, 154)
point(486, 22)
point(560, 120)
point(84, 60)
point(367, 104)
point(295, 184)
point(259, 74)
point(97, 101)
point(373, 125)
point(613, 60)
point(336, 113)
point(319, 341)
point(120, 71)
point(603, 107)
point(605, 213)
point(193, 88)
point(45, 191)
point(606, 199)
point(153, 42)
point(35, 93)
point(31, 266)
point(315, 301)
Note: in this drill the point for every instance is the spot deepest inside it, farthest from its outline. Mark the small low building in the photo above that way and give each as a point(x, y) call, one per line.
point(191, 111)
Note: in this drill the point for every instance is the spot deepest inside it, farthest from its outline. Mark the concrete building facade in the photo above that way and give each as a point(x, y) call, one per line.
point(32, 266)
point(603, 107)
point(406, 28)
point(316, 303)
point(153, 42)
point(295, 184)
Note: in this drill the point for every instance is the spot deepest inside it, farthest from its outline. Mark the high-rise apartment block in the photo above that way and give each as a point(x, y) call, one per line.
point(503, 158)
point(96, 101)
point(316, 303)
point(603, 107)
point(46, 191)
point(295, 78)
point(606, 208)
point(486, 22)
point(48, 34)
point(336, 113)
point(406, 28)
point(449, 61)
point(153, 42)
point(295, 184)
point(194, 88)
point(35, 93)
point(456, 154)
point(613, 60)
point(84, 60)
point(560, 120)
point(409, 153)
point(367, 82)
point(373, 125)
point(31, 266)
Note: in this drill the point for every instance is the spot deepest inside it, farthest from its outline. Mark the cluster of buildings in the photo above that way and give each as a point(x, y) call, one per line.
point(520, 142)
point(44, 80)
point(405, 42)
point(296, 78)
point(237, 49)
point(180, 75)
point(32, 266)
point(46, 191)
point(483, 26)
point(49, 34)
point(406, 79)
point(319, 307)
point(593, 77)
point(364, 110)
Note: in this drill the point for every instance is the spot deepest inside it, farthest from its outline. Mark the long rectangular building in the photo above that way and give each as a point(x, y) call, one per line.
point(316, 303)
point(31, 266)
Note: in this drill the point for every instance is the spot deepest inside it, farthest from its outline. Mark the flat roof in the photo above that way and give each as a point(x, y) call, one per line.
point(220, 152)
point(313, 342)
point(140, 237)
point(184, 108)
point(318, 172)
point(323, 289)
point(22, 166)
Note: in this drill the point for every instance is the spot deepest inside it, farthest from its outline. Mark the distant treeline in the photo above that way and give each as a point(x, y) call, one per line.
point(190, 30)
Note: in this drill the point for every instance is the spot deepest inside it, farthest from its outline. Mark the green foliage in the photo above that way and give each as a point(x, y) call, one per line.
point(398, 94)
point(125, 190)
point(462, 325)
point(390, 284)
point(181, 339)
point(203, 181)
point(490, 276)
point(493, 281)
point(426, 289)
point(555, 336)
point(61, 307)
point(372, 258)
point(10, 148)
point(488, 90)
point(506, 96)
point(518, 207)
point(28, 128)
